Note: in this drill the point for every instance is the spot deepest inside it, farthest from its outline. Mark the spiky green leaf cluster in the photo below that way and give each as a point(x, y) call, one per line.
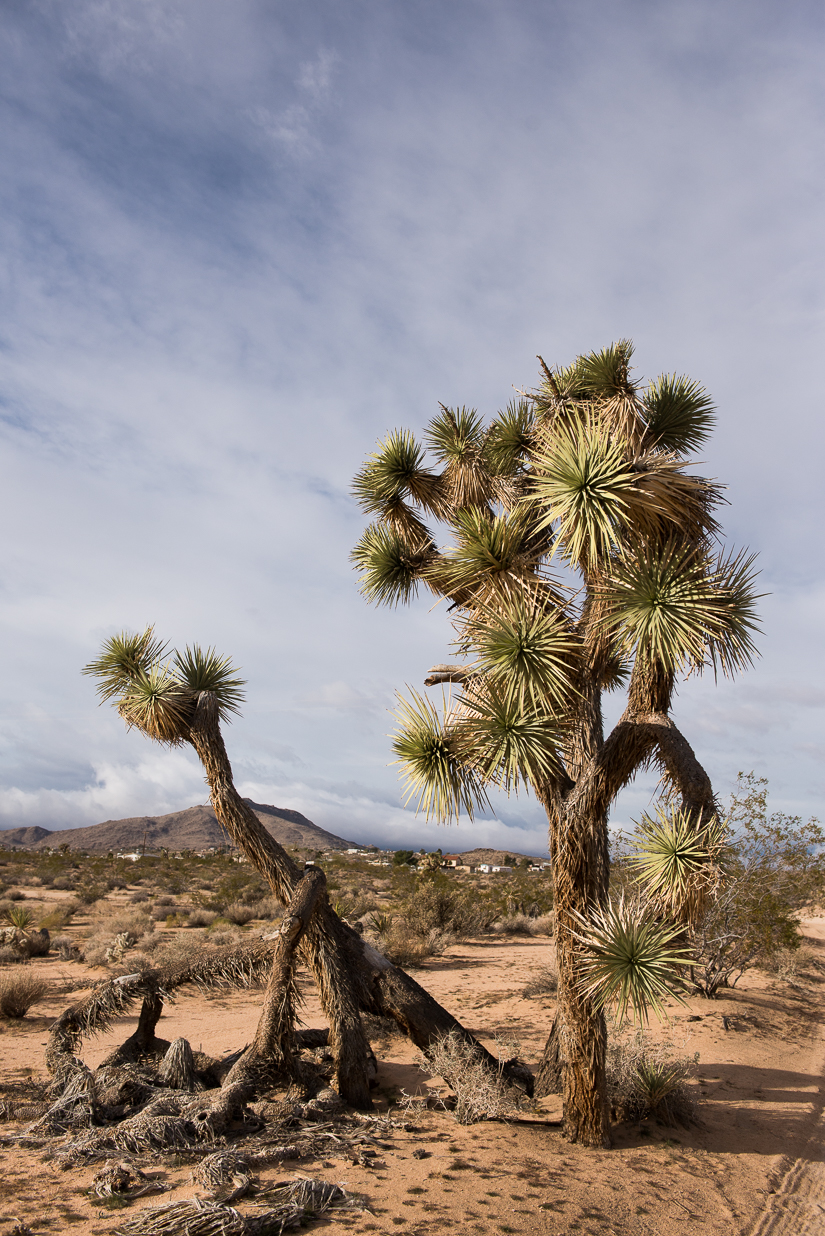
point(387, 565)
point(582, 481)
point(429, 753)
point(679, 414)
point(630, 959)
point(672, 604)
point(122, 658)
point(526, 646)
point(676, 860)
point(159, 697)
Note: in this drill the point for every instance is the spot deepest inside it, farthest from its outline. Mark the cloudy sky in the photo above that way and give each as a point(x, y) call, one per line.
point(241, 240)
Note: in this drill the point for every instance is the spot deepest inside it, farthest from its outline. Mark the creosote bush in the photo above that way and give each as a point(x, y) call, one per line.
point(18, 992)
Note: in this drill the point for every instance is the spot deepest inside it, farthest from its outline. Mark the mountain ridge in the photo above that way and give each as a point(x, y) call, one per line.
point(194, 828)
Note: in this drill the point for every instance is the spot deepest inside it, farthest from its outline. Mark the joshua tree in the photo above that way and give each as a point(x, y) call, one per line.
point(184, 698)
point(584, 560)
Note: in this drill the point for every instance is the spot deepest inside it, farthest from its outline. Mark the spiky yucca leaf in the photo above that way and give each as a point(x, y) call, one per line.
point(731, 646)
point(605, 376)
point(489, 553)
point(203, 670)
point(394, 471)
point(390, 569)
point(674, 605)
point(456, 437)
point(527, 645)
point(679, 412)
point(584, 481)
point(665, 500)
point(630, 959)
point(506, 741)
point(676, 860)
point(509, 438)
point(157, 703)
point(434, 772)
point(123, 658)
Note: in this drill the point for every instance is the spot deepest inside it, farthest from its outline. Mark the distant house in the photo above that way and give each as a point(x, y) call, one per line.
point(452, 860)
point(495, 869)
point(132, 857)
point(485, 868)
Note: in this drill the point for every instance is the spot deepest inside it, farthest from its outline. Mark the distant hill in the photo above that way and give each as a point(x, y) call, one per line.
point(496, 857)
point(196, 828)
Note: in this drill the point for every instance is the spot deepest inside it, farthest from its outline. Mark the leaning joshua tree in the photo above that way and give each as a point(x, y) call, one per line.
point(183, 698)
point(584, 560)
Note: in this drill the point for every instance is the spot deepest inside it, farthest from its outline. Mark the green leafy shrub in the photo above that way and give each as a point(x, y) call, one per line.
point(438, 905)
point(773, 868)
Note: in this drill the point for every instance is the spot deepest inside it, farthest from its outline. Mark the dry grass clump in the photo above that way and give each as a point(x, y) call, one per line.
point(66, 948)
point(109, 938)
point(405, 948)
point(545, 982)
point(649, 1079)
point(201, 918)
point(10, 956)
point(479, 1093)
point(239, 913)
point(18, 992)
point(525, 925)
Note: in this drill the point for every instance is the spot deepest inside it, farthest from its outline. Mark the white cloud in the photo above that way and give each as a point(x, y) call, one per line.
point(202, 340)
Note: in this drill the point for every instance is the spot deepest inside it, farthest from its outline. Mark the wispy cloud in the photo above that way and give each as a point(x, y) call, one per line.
point(242, 242)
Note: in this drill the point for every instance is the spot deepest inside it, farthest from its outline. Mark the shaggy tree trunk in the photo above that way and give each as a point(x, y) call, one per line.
point(272, 1048)
point(350, 974)
point(580, 874)
point(575, 1052)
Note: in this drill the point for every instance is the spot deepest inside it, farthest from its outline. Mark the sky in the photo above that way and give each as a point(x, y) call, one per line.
point(240, 240)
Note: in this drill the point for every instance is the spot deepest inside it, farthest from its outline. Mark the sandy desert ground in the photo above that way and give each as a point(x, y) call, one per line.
point(752, 1164)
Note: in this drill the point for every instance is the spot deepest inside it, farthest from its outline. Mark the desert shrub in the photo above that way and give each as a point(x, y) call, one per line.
point(543, 983)
point(407, 948)
point(139, 897)
point(110, 937)
point(160, 913)
point(437, 905)
point(18, 992)
point(222, 935)
point(649, 1079)
point(201, 918)
point(62, 883)
point(59, 915)
point(37, 943)
point(479, 1093)
point(773, 867)
point(88, 894)
point(14, 894)
point(239, 914)
point(65, 948)
point(165, 899)
point(11, 956)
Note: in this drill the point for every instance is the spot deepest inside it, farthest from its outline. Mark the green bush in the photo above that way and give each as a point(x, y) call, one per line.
point(772, 868)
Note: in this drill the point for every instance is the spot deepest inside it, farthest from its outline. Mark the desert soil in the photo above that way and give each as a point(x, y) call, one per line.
point(752, 1164)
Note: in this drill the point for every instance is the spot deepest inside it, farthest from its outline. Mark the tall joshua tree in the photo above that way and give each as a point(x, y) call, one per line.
point(585, 559)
